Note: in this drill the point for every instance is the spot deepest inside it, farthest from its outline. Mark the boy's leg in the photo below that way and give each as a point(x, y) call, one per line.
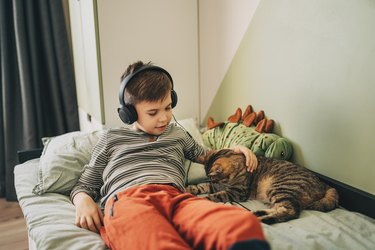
point(134, 223)
point(208, 225)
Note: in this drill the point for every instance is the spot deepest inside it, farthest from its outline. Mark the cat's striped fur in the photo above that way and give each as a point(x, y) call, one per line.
point(287, 188)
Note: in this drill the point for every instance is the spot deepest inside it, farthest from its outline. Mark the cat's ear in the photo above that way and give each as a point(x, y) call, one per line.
point(205, 158)
point(208, 155)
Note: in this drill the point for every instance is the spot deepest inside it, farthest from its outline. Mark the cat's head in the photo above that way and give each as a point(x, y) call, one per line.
point(224, 165)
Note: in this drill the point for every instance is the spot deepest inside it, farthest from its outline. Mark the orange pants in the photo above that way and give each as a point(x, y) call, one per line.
point(162, 217)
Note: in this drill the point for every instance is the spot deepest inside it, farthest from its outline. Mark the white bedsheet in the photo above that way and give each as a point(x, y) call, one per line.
point(50, 222)
point(337, 229)
point(50, 217)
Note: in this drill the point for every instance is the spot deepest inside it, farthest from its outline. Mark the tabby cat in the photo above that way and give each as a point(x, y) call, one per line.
point(288, 188)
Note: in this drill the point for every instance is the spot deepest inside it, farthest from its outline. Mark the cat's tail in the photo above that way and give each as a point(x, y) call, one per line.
point(329, 201)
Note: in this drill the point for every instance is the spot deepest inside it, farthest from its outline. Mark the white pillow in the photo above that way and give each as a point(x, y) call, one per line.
point(63, 160)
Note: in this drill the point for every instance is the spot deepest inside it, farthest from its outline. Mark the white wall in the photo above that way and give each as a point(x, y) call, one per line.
point(165, 32)
point(222, 24)
point(310, 66)
point(162, 31)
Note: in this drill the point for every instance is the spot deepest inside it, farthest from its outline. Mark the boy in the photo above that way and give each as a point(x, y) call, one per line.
point(138, 171)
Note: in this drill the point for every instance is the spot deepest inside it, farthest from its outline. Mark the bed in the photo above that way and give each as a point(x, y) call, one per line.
point(44, 182)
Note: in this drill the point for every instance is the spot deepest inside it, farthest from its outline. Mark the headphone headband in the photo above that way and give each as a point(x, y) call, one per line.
point(129, 77)
point(127, 112)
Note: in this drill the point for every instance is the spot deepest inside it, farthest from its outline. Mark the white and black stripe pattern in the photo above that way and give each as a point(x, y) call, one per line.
point(124, 157)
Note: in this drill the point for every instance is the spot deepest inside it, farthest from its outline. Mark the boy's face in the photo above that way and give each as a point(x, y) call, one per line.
point(154, 117)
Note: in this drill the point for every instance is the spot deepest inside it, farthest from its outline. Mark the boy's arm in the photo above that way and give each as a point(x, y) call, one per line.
point(91, 179)
point(88, 214)
point(87, 190)
point(251, 159)
point(204, 155)
point(203, 158)
point(83, 196)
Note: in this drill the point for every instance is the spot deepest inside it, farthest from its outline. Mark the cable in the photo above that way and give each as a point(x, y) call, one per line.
point(175, 120)
point(188, 169)
point(187, 174)
point(240, 205)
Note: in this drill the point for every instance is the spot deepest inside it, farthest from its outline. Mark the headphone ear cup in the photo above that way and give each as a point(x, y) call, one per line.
point(127, 114)
point(174, 98)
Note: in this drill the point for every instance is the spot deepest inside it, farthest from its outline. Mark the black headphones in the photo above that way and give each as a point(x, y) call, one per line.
point(127, 112)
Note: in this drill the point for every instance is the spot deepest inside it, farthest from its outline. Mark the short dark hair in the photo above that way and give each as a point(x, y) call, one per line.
point(151, 85)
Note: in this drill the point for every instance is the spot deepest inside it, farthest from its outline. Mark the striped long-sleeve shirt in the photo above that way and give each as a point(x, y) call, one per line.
point(124, 158)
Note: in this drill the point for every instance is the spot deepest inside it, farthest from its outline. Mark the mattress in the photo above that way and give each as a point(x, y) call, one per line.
point(50, 222)
point(50, 217)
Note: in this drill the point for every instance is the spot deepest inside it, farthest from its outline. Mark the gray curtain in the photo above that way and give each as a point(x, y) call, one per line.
point(37, 95)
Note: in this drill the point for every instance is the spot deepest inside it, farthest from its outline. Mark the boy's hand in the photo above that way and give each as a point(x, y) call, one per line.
point(88, 213)
point(251, 159)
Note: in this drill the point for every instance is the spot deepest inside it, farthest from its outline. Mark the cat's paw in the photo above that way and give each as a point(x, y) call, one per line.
point(264, 217)
point(268, 221)
point(192, 189)
point(212, 197)
point(218, 197)
point(260, 213)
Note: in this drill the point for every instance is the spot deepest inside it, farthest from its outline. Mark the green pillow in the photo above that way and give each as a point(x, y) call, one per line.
point(265, 144)
point(63, 160)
